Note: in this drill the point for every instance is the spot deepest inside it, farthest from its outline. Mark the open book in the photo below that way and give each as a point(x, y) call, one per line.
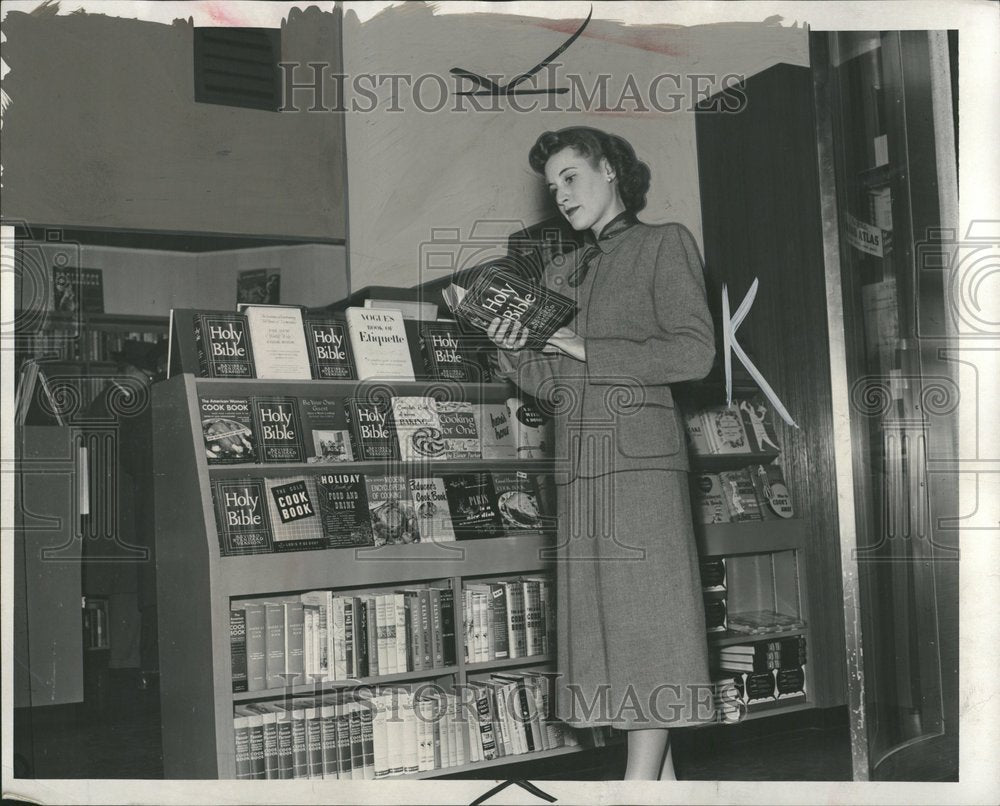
point(502, 294)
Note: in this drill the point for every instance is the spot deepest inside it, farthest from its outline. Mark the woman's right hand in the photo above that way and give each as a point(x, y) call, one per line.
point(507, 334)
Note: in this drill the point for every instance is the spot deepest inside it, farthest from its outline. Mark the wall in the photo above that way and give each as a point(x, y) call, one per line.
point(411, 171)
point(102, 130)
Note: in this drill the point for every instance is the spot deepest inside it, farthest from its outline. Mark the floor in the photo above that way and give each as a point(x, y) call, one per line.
point(122, 740)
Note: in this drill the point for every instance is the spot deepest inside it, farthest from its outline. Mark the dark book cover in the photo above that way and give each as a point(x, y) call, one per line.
point(330, 355)
point(363, 666)
point(258, 286)
point(427, 636)
point(343, 507)
point(496, 293)
point(344, 743)
point(367, 740)
point(715, 614)
point(295, 519)
point(447, 600)
point(227, 428)
point(772, 492)
point(373, 434)
point(223, 344)
point(758, 422)
point(349, 636)
point(326, 436)
point(314, 739)
point(789, 682)
point(77, 290)
point(449, 354)
point(517, 500)
point(241, 740)
point(792, 652)
point(393, 516)
point(713, 573)
point(498, 593)
point(277, 427)
point(740, 496)
point(328, 734)
point(238, 649)
point(473, 505)
point(270, 731)
point(759, 686)
point(357, 743)
point(285, 741)
point(241, 516)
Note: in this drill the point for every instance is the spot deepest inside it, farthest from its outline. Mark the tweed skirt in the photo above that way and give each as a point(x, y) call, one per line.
point(630, 625)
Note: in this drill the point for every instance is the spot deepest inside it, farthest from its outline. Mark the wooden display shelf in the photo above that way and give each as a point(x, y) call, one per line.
point(751, 537)
point(432, 467)
point(714, 463)
point(318, 688)
point(729, 637)
point(507, 663)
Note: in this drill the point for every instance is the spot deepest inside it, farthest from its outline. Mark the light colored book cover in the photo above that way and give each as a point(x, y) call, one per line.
point(379, 343)
point(279, 342)
point(433, 513)
point(496, 437)
point(418, 429)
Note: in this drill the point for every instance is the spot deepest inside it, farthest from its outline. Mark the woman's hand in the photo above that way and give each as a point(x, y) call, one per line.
point(507, 334)
point(567, 341)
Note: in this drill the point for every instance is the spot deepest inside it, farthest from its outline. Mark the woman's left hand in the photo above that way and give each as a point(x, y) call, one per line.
point(567, 341)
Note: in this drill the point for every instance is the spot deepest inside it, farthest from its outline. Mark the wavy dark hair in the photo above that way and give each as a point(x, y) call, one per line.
point(632, 173)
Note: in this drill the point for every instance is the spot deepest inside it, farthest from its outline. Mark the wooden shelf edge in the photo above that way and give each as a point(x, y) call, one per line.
point(729, 638)
point(496, 762)
point(753, 537)
point(381, 465)
point(506, 663)
point(330, 686)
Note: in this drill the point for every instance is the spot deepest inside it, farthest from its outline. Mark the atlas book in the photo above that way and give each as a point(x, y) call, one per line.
point(497, 293)
point(276, 425)
point(393, 517)
point(279, 341)
point(459, 429)
point(430, 501)
point(343, 507)
point(295, 518)
point(378, 341)
point(496, 437)
point(242, 516)
point(473, 505)
point(325, 430)
point(223, 344)
point(227, 428)
point(373, 435)
point(330, 356)
point(418, 429)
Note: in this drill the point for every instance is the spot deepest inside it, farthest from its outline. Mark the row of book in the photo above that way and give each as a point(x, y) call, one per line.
point(277, 342)
point(396, 731)
point(761, 656)
point(320, 636)
point(756, 493)
point(745, 692)
point(269, 428)
point(347, 510)
point(508, 618)
point(746, 426)
point(76, 342)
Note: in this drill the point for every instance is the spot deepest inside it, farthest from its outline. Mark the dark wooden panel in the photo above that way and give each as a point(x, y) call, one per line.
point(761, 218)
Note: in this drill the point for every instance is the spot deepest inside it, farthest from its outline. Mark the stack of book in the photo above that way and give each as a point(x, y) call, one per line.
point(714, 591)
point(320, 636)
point(510, 618)
point(746, 426)
point(737, 496)
point(754, 675)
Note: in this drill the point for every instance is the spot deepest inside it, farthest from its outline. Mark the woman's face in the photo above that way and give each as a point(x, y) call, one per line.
point(587, 195)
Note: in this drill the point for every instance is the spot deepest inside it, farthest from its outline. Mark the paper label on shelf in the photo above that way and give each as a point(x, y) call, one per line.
point(863, 237)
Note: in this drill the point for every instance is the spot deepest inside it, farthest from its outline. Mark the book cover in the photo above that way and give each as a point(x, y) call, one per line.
point(430, 501)
point(739, 495)
point(497, 438)
point(437, 636)
point(709, 500)
point(276, 425)
point(694, 428)
point(446, 605)
point(294, 642)
point(295, 520)
point(279, 342)
point(393, 516)
point(448, 354)
point(473, 504)
point(330, 356)
point(517, 500)
point(530, 429)
point(459, 430)
point(322, 603)
point(758, 422)
point(256, 646)
point(373, 435)
point(326, 435)
point(713, 573)
point(241, 516)
point(789, 683)
point(238, 649)
point(360, 642)
point(772, 492)
point(77, 290)
point(223, 344)
point(258, 286)
point(715, 615)
point(498, 592)
point(378, 341)
point(496, 293)
point(418, 429)
point(724, 432)
point(274, 637)
point(343, 507)
point(227, 428)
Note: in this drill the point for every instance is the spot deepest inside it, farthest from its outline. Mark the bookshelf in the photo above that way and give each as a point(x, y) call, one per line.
point(197, 585)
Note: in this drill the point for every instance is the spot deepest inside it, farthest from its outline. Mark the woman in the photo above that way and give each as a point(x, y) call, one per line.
point(630, 632)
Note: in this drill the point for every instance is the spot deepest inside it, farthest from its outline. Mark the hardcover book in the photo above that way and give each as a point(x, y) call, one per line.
point(330, 356)
point(772, 492)
point(433, 513)
point(378, 341)
point(276, 425)
point(295, 520)
point(227, 428)
point(694, 427)
point(325, 430)
point(709, 499)
point(77, 290)
point(473, 505)
point(238, 648)
point(241, 516)
point(497, 439)
point(279, 341)
point(758, 422)
point(496, 293)
point(393, 516)
point(713, 573)
point(373, 435)
point(448, 354)
point(256, 646)
point(530, 428)
point(343, 506)
point(724, 432)
point(223, 344)
point(517, 500)
point(739, 495)
point(418, 429)
point(459, 430)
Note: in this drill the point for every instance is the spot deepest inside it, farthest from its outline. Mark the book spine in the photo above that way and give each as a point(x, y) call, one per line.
point(270, 726)
point(399, 603)
point(371, 613)
point(499, 623)
point(331, 761)
point(380, 736)
point(314, 741)
point(241, 739)
point(367, 742)
point(345, 757)
point(357, 743)
point(411, 762)
point(286, 750)
point(486, 735)
point(294, 616)
point(449, 654)
point(426, 642)
point(360, 638)
point(274, 613)
point(238, 649)
point(349, 658)
point(258, 771)
point(436, 627)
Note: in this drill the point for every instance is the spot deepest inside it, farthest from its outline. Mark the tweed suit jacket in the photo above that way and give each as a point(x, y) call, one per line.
point(645, 322)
